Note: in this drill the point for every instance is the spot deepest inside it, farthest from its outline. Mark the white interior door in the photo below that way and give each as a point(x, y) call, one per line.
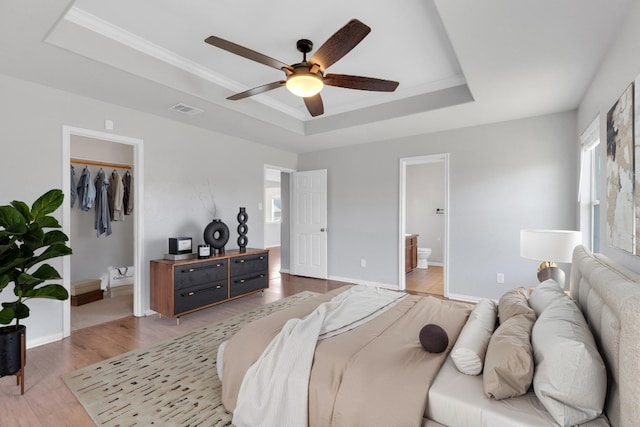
point(309, 223)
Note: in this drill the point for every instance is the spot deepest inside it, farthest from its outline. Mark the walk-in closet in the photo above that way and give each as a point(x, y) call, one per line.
point(102, 231)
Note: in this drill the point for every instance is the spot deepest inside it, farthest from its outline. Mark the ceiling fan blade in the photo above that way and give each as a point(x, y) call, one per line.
point(314, 105)
point(339, 44)
point(246, 52)
point(256, 90)
point(361, 83)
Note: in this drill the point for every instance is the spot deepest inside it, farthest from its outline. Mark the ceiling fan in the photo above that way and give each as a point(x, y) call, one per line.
point(306, 79)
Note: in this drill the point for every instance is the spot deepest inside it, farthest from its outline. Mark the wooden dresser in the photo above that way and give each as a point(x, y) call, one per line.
point(181, 287)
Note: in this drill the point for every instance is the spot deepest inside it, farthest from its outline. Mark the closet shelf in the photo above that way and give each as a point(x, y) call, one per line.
point(98, 163)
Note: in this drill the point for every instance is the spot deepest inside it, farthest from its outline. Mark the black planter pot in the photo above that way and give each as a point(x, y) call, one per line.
point(10, 348)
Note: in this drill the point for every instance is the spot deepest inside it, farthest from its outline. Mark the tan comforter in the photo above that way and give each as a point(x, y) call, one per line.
point(375, 375)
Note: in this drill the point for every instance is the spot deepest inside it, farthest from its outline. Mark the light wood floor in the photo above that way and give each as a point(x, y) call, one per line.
point(428, 280)
point(48, 402)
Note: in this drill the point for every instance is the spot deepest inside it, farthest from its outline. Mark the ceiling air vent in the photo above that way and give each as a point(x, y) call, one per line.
point(186, 109)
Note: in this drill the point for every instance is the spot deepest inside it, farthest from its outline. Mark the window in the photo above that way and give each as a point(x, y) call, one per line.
point(589, 191)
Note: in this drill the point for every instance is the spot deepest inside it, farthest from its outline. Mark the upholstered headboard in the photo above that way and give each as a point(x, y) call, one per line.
point(609, 297)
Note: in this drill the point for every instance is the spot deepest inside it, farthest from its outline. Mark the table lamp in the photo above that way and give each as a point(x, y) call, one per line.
point(549, 246)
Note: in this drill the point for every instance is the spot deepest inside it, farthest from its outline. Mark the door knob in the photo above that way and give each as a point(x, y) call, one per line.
point(322, 230)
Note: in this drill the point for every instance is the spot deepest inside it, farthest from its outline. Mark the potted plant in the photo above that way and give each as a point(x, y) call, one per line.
point(24, 245)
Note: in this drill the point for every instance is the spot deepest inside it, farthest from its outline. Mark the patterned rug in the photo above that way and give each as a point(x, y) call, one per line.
point(171, 383)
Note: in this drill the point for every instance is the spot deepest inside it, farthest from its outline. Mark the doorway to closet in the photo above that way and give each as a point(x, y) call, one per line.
point(424, 201)
point(105, 255)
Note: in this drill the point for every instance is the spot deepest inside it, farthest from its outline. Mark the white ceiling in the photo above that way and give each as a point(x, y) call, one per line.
point(459, 62)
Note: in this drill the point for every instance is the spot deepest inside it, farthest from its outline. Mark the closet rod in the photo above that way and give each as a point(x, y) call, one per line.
point(97, 163)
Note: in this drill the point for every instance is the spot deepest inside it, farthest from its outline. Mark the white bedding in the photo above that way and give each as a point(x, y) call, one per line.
point(275, 389)
point(456, 399)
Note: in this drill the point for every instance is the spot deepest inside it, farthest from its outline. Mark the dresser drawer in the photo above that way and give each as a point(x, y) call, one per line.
point(198, 296)
point(186, 276)
point(247, 264)
point(248, 283)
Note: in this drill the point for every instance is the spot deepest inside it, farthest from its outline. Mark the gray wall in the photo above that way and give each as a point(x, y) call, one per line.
point(179, 162)
point(424, 194)
point(503, 177)
point(618, 69)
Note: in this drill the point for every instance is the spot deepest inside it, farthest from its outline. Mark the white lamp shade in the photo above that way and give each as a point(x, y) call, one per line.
point(549, 245)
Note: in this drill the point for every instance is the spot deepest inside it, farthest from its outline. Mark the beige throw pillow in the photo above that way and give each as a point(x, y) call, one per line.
point(512, 303)
point(508, 365)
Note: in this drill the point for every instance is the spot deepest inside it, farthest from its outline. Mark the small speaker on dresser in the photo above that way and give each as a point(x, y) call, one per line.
point(243, 229)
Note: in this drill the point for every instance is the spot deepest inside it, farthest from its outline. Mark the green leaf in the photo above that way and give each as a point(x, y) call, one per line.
point(5, 248)
point(52, 251)
point(48, 291)
point(4, 281)
point(47, 203)
point(21, 311)
point(34, 236)
point(46, 272)
point(10, 216)
point(7, 314)
point(23, 209)
point(53, 237)
point(48, 222)
point(25, 282)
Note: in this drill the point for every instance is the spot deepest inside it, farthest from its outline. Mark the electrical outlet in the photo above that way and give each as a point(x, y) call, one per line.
point(363, 263)
point(500, 278)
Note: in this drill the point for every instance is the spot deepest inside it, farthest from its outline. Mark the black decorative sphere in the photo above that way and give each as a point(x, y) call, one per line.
point(433, 338)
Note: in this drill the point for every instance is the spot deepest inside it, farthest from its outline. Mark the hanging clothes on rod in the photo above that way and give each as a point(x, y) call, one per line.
point(103, 219)
point(115, 196)
point(127, 199)
point(86, 190)
point(74, 188)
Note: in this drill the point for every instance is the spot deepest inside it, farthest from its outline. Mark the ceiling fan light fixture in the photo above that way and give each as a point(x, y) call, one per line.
point(304, 84)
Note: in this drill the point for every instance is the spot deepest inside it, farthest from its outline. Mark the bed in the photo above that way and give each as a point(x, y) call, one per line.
point(378, 374)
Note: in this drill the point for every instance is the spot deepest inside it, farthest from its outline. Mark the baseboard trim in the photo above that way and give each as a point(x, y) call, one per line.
point(362, 282)
point(48, 339)
point(465, 298)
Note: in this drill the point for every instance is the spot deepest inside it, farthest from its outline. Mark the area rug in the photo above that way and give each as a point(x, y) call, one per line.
point(171, 383)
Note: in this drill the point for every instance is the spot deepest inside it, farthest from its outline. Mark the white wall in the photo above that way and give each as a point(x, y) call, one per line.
point(179, 162)
point(503, 177)
point(92, 255)
point(618, 69)
point(425, 194)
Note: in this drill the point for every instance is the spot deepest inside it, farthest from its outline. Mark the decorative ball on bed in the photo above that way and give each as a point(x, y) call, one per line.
point(433, 338)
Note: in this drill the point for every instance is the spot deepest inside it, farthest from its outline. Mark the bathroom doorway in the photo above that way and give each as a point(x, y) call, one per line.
point(424, 224)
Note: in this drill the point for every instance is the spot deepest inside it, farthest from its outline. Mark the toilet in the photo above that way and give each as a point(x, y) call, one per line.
point(423, 257)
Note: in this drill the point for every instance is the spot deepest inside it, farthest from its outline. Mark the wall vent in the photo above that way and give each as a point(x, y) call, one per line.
point(186, 109)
